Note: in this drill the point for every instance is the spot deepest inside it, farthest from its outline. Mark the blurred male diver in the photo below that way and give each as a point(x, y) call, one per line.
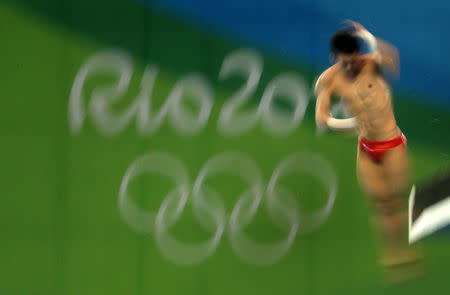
point(382, 160)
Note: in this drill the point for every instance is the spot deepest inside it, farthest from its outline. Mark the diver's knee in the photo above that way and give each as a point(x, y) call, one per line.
point(388, 205)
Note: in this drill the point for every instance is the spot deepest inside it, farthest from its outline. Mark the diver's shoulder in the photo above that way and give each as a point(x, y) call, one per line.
point(329, 74)
point(326, 78)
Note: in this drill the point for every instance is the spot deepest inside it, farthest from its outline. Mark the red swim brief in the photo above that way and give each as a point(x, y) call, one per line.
point(376, 149)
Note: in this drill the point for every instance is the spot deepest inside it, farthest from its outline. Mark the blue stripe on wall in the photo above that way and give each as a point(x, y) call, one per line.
point(301, 29)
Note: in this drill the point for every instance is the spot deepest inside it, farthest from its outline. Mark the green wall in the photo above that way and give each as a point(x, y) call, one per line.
point(63, 228)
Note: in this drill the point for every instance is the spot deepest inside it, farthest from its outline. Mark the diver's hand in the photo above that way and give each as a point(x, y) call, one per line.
point(321, 124)
point(363, 33)
point(357, 26)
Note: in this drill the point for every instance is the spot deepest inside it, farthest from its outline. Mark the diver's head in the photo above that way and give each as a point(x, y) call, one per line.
point(345, 49)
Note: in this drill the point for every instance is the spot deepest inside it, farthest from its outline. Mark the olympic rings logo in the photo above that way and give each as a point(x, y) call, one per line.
point(209, 209)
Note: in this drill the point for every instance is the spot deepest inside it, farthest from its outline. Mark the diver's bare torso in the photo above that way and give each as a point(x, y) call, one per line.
point(367, 96)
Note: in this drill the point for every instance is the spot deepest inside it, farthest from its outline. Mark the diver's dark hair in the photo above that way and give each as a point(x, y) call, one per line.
point(344, 42)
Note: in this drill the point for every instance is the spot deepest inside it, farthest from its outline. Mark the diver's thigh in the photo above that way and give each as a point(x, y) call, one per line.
point(395, 165)
point(370, 176)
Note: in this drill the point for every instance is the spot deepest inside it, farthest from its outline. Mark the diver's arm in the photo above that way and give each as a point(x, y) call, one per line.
point(323, 108)
point(324, 120)
point(382, 52)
